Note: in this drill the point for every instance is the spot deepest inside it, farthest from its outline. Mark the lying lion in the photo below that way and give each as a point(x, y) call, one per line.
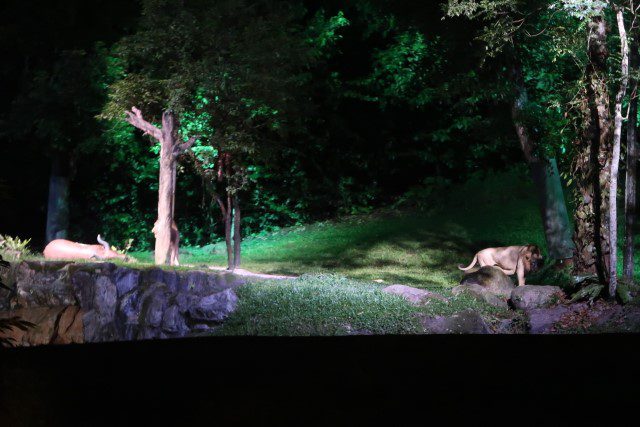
point(510, 259)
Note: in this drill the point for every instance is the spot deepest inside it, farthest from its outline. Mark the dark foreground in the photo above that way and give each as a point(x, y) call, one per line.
point(321, 381)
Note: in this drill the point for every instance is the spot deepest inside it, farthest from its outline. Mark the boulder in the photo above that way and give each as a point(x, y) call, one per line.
point(481, 294)
point(541, 320)
point(463, 322)
point(492, 279)
point(215, 307)
point(173, 322)
point(413, 295)
point(531, 296)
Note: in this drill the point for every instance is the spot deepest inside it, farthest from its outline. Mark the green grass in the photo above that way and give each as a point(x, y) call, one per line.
point(335, 305)
point(415, 248)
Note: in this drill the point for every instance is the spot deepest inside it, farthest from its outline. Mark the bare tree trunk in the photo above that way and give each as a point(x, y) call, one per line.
point(166, 192)
point(58, 202)
point(164, 229)
point(546, 178)
point(226, 218)
point(237, 238)
point(227, 234)
point(592, 164)
point(615, 160)
point(632, 162)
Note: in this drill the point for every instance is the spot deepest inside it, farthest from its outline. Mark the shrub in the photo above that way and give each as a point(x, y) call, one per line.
point(14, 248)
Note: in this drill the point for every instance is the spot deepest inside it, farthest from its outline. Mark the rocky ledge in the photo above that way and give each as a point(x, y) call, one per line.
point(98, 302)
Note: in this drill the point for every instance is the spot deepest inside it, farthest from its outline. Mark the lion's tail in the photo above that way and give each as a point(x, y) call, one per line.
point(475, 258)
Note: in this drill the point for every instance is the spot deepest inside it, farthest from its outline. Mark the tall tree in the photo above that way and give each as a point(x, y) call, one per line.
point(544, 173)
point(592, 164)
point(165, 228)
point(630, 204)
point(508, 34)
point(615, 158)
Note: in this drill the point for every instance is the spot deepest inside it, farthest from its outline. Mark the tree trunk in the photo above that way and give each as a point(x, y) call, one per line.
point(227, 234)
point(631, 167)
point(593, 160)
point(58, 202)
point(615, 157)
point(553, 208)
point(166, 192)
point(545, 176)
point(237, 238)
point(164, 229)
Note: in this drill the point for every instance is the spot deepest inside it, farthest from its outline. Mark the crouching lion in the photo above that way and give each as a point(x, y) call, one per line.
point(510, 259)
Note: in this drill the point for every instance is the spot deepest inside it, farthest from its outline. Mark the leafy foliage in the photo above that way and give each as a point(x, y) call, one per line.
point(14, 248)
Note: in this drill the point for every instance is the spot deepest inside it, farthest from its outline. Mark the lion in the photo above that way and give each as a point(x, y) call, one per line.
point(510, 259)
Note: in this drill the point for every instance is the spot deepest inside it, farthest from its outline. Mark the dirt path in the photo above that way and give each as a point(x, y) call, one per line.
point(247, 273)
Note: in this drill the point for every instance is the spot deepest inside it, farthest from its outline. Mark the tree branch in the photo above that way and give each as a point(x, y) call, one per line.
point(134, 117)
point(181, 148)
point(221, 204)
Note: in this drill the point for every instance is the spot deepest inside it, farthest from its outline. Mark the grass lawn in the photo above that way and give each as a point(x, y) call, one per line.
point(322, 304)
point(421, 249)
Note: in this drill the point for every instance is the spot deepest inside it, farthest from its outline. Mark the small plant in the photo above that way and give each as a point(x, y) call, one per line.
point(589, 292)
point(14, 248)
point(126, 249)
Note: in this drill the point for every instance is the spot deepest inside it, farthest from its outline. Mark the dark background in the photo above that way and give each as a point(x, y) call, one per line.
point(526, 380)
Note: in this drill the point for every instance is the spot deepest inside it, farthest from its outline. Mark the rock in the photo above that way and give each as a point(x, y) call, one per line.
point(106, 302)
point(531, 296)
point(53, 325)
point(504, 326)
point(129, 307)
point(463, 322)
point(70, 328)
point(215, 307)
point(413, 295)
point(481, 294)
point(98, 297)
point(173, 322)
point(37, 286)
point(153, 302)
point(5, 299)
point(492, 279)
point(541, 320)
point(126, 279)
point(157, 275)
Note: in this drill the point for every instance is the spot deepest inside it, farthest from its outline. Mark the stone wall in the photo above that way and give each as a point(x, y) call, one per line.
point(98, 302)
